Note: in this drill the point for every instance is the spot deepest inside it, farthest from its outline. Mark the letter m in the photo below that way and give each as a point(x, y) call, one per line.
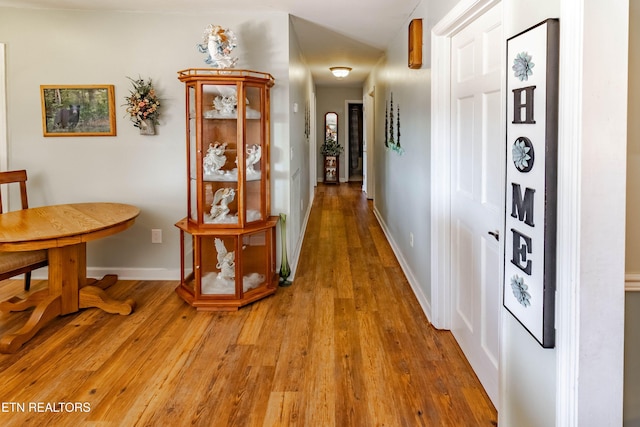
point(522, 208)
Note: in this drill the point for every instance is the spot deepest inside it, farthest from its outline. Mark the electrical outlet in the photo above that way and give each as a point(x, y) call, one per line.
point(411, 239)
point(156, 235)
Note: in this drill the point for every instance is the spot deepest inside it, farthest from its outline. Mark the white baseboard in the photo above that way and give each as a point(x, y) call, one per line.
point(413, 282)
point(632, 282)
point(128, 273)
point(296, 253)
point(122, 272)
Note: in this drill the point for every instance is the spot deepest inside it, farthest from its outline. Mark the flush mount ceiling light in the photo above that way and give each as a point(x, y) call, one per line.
point(340, 72)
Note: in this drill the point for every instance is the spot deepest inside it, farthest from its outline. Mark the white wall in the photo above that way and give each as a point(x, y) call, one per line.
point(590, 259)
point(592, 215)
point(300, 95)
point(527, 371)
point(84, 47)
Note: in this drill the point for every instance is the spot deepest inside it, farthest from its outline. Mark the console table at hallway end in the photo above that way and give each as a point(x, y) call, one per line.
point(64, 231)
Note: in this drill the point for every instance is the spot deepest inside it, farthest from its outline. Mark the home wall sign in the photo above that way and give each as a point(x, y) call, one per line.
point(531, 179)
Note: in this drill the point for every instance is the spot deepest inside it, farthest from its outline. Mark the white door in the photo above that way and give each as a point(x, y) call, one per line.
point(477, 194)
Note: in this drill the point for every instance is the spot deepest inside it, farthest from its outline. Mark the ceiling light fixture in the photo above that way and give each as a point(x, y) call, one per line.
point(340, 72)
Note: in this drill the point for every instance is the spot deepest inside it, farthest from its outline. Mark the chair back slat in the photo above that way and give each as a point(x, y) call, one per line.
point(20, 177)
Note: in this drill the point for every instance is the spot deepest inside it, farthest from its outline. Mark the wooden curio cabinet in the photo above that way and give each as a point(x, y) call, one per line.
point(228, 237)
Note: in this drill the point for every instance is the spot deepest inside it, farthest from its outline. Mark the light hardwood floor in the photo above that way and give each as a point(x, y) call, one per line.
point(346, 345)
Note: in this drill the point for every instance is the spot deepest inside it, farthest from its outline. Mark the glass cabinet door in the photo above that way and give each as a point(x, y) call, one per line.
point(220, 145)
point(192, 152)
point(188, 260)
point(254, 158)
point(255, 260)
point(218, 265)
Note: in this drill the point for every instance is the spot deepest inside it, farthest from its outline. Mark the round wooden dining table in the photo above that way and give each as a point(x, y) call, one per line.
point(64, 231)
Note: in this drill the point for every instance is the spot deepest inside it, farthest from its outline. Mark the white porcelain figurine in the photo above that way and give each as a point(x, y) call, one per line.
point(254, 153)
point(220, 206)
point(215, 159)
point(218, 43)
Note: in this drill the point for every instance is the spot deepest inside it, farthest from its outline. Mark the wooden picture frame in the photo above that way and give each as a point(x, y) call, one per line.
point(415, 43)
point(531, 179)
point(78, 110)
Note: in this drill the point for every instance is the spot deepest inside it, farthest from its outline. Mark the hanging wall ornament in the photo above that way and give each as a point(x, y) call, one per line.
point(386, 124)
point(392, 138)
point(396, 147)
point(143, 106)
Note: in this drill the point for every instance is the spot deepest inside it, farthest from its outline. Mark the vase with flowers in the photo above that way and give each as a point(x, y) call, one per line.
point(331, 147)
point(143, 106)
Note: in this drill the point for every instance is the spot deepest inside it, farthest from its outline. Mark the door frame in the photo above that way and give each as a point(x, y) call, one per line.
point(313, 147)
point(459, 17)
point(369, 138)
point(4, 148)
point(346, 135)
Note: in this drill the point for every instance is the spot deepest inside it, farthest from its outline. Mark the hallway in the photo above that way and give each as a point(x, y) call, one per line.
point(391, 367)
point(346, 345)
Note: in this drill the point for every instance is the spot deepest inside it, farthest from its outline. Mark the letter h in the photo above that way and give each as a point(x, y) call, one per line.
point(527, 105)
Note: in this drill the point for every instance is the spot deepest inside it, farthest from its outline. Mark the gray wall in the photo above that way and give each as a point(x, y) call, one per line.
point(632, 265)
point(86, 47)
point(332, 99)
point(632, 361)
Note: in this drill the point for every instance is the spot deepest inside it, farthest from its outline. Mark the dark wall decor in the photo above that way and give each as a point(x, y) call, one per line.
point(391, 134)
point(531, 179)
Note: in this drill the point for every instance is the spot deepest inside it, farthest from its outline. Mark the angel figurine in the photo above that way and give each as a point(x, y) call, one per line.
point(215, 158)
point(220, 206)
point(226, 106)
point(226, 262)
point(218, 42)
point(254, 153)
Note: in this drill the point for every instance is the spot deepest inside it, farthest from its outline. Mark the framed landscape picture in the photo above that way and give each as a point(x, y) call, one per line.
point(78, 110)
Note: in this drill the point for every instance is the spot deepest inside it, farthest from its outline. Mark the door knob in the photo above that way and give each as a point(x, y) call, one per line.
point(495, 234)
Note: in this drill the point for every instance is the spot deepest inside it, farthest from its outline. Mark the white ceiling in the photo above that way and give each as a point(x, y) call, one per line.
point(352, 33)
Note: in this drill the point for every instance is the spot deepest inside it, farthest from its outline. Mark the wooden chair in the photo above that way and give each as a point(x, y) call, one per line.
point(15, 263)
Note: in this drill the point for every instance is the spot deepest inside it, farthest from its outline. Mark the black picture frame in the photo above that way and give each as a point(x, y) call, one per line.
point(531, 179)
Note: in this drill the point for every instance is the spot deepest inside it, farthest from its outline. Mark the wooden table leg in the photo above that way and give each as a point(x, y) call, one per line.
point(107, 281)
point(67, 272)
point(22, 304)
point(44, 312)
point(69, 291)
point(93, 296)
